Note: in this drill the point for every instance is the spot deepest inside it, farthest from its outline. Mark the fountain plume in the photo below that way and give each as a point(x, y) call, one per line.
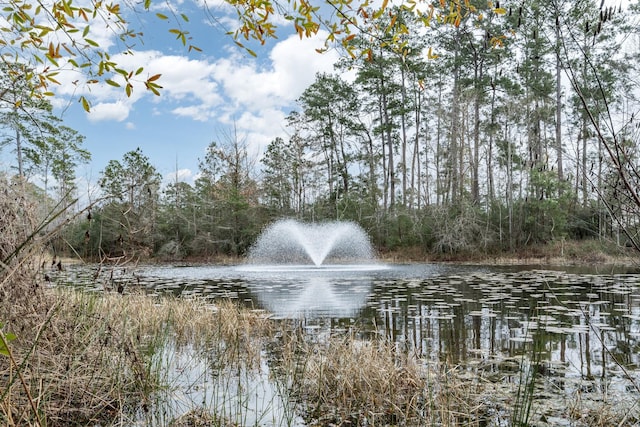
point(293, 242)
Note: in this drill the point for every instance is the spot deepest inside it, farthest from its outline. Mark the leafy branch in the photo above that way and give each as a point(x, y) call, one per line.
point(58, 37)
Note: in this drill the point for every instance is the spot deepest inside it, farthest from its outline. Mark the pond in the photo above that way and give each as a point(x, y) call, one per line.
point(581, 325)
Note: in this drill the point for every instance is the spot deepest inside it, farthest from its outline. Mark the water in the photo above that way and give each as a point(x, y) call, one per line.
point(480, 319)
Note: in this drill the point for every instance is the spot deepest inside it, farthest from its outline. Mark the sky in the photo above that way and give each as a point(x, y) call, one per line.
point(205, 95)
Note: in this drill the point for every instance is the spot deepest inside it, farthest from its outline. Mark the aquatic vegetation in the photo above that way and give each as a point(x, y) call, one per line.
point(456, 347)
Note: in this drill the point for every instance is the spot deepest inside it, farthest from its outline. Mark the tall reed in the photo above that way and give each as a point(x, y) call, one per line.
point(347, 380)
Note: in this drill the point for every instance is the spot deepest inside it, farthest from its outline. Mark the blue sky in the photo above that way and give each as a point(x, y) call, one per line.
point(204, 94)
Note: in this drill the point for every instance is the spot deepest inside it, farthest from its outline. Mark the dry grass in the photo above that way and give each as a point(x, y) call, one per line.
point(44, 374)
point(77, 358)
point(559, 252)
point(96, 357)
point(199, 418)
point(347, 381)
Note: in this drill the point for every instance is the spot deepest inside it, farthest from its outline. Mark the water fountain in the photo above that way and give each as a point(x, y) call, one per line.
point(289, 242)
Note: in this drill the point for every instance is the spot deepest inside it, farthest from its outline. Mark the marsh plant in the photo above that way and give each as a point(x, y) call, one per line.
point(72, 357)
point(112, 359)
point(90, 360)
point(348, 378)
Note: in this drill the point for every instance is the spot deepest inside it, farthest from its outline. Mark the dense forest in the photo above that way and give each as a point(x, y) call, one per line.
point(491, 136)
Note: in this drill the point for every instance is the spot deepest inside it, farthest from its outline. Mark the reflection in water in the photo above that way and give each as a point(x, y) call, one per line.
point(585, 330)
point(589, 323)
point(244, 394)
point(312, 296)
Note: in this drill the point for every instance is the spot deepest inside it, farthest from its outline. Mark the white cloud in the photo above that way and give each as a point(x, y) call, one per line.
point(197, 112)
point(296, 62)
point(292, 66)
point(218, 4)
point(264, 125)
point(185, 79)
point(260, 97)
point(115, 111)
point(181, 175)
point(254, 94)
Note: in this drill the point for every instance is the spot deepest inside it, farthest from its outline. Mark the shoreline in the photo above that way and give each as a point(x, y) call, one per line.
point(590, 253)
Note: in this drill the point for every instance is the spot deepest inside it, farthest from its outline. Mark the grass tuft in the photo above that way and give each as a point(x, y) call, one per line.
point(345, 380)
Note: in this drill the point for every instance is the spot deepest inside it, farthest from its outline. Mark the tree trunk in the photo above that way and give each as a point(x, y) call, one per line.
point(475, 178)
point(387, 132)
point(558, 141)
point(438, 156)
point(454, 140)
point(385, 175)
point(403, 129)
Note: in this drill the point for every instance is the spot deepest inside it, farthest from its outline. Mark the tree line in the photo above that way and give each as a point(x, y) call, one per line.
point(486, 135)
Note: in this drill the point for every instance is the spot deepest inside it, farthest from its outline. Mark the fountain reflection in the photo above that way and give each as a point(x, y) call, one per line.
point(313, 296)
point(309, 270)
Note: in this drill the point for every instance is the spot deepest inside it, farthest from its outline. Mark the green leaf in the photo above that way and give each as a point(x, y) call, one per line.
point(53, 61)
point(153, 87)
point(8, 337)
point(85, 104)
point(112, 83)
point(162, 16)
point(51, 79)
point(67, 8)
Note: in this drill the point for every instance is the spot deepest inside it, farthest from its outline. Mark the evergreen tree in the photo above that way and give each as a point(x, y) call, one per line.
point(126, 224)
point(229, 198)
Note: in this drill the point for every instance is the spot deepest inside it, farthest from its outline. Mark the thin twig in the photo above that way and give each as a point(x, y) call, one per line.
point(5, 343)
